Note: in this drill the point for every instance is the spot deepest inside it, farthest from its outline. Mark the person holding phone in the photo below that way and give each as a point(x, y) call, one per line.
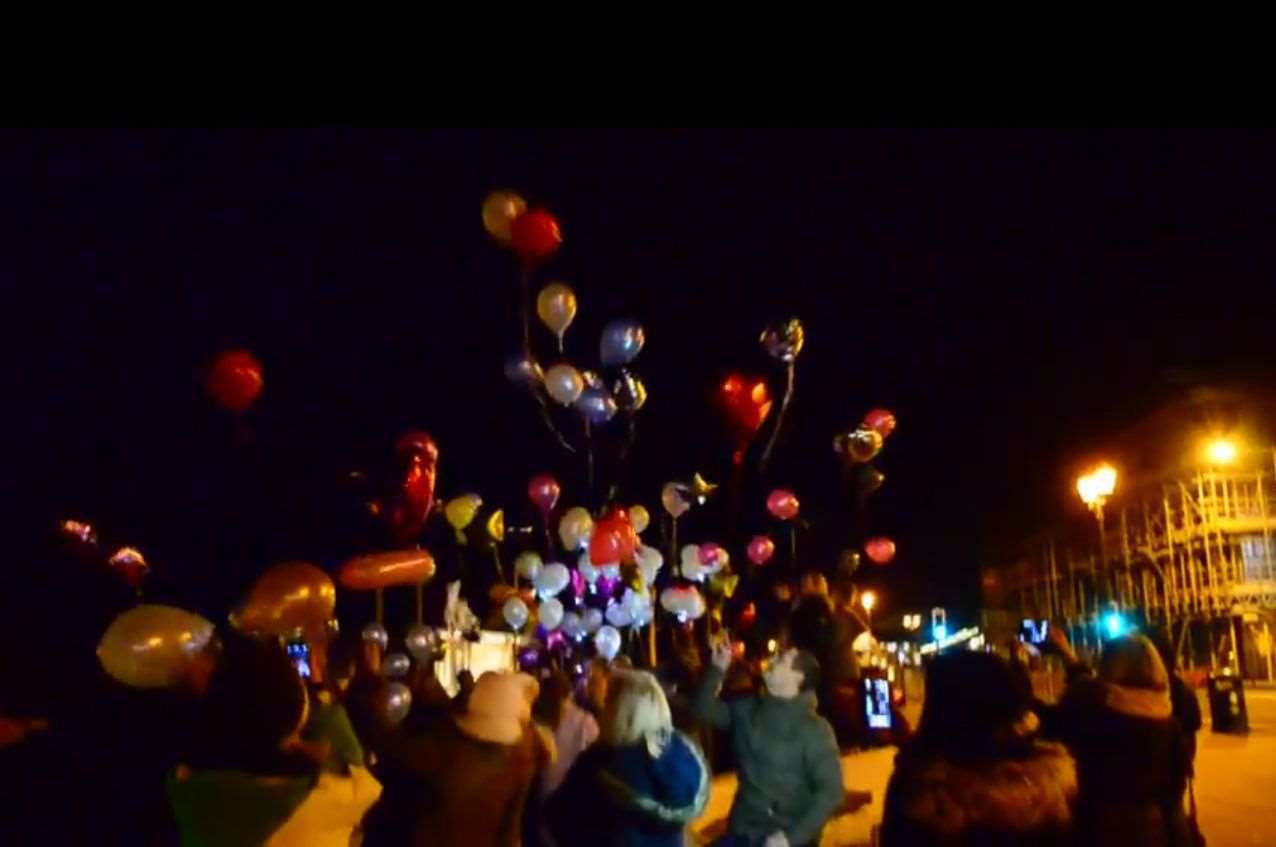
point(790, 775)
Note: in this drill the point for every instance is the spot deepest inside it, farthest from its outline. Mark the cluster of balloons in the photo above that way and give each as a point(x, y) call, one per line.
point(531, 234)
point(859, 447)
point(127, 562)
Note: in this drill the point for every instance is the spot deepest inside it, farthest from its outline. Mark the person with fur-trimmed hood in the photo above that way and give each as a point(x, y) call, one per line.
point(975, 774)
point(1130, 753)
point(641, 784)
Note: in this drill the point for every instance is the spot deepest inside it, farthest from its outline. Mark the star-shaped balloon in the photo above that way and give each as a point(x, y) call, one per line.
point(701, 488)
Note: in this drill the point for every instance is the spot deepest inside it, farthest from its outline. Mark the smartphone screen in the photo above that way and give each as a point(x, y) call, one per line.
point(299, 652)
point(877, 703)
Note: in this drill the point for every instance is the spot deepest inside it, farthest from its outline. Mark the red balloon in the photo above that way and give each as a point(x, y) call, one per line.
point(747, 401)
point(412, 504)
point(783, 504)
point(880, 550)
point(418, 445)
point(614, 539)
point(761, 549)
point(881, 421)
point(235, 380)
point(748, 616)
point(382, 570)
point(535, 236)
point(543, 490)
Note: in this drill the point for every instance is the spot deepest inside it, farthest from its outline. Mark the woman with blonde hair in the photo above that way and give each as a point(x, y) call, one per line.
point(641, 784)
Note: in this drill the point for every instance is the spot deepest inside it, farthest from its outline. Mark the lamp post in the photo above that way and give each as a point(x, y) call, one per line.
point(868, 600)
point(1095, 488)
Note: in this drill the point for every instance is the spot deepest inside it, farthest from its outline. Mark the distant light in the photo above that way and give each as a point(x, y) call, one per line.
point(868, 600)
point(939, 631)
point(1114, 624)
point(1221, 451)
point(771, 645)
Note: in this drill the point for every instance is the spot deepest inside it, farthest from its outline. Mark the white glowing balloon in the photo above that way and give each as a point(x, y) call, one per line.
point(607, 640)
point(617, 615)
point(691, 567)
point(586, 568)
point(611, 570)
point(683, 603)
point(572, 625)
point(528, 565)
point(515, 612)
point(592, 619)
point(552, 579)
point(551, 613)
point(649, 561)
point(638, 605)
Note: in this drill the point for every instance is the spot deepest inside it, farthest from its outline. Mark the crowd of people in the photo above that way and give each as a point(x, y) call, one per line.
point(246, 751)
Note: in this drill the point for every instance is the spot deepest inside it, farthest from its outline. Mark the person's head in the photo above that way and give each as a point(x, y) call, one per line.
point(555, 693)
point(636, 709)
point(499, 709)
point(596, 682)
point(976, 706)
point(791, 673)
point(256, 705)
point(1133, 662)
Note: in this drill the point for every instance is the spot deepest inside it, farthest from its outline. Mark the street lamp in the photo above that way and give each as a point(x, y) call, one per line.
point(1095, 488)
point(868, 600)
point(1221, 451)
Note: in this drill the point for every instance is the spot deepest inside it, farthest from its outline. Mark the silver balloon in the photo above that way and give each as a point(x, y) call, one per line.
point(420, 642)
point(621, 342)
point(397, 702)
point(596, 405)
point(592, 379)
point(376, 632)
point(396, 664)
point(572, 626)
point(523, 370)
point(593, 620)
point(784, 341)
point(607, 640)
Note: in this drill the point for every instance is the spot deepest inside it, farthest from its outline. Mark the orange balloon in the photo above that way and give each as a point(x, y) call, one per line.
point(288, 597)
point(382, 570)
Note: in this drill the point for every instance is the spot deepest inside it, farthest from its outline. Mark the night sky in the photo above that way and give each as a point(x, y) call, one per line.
point(1013, 295)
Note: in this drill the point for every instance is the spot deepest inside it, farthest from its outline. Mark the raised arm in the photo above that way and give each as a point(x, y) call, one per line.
point(707, 706)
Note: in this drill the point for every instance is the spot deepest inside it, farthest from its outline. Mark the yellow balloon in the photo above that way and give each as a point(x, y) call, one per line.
point(496, 525)
point(460, 512)
point(499, 211)
point(288, 597)
point(639, 517)
point(556, 305)
point(575, 528)
point(152, 646)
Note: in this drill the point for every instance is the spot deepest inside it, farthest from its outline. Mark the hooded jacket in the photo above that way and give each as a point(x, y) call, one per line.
point(1024, 799)
point(790, 774)
point(623, 797)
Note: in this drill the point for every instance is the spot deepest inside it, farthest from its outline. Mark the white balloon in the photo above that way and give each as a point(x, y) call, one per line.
point(572, 625)
point(396, 664)
point(593, 619)
point(586, 568)
point(551, 613)
point(638, 605)
point(649, 561)
point(398, 700)
point(420, 642)
point(376, 632)
point(528, 564)
point(617, 615)
point(684, 603)
point(608, 642)
point(552, 579)
point(515, 612)
point(611, 570)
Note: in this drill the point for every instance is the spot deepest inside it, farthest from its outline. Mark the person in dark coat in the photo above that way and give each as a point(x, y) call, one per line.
point(975, 773)
point(790, 775)
point(1183, 703)
point(640, 785)
point(1131, 760)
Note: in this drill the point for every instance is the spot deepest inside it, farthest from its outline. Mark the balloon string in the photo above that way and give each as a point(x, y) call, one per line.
point(793, 545)
point(549, 423)
point(589, 458)
point(631, 434)
point(420, 602)
point(380, 607)
point(525, 284)
point(779, 419)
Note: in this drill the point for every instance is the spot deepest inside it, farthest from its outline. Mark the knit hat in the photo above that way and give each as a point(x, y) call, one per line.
point(499, 708)
point(1133, 662)
point(974, 705)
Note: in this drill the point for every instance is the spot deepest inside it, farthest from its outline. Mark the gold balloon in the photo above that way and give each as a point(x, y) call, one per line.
point(575, 528)
point(700, 489)
point(384, 570)
point(287, 597)
point(460, 512)
point(152, 646)
point(496, 525)
point(639, 517)
point(499, 211)
point(556, 306)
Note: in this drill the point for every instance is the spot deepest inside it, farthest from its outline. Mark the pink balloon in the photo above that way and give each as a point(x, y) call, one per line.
point(761, 549)
point(543, 490)
point(880, 550)
point(882, 421)
point(711, 554)
point(783, 504)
